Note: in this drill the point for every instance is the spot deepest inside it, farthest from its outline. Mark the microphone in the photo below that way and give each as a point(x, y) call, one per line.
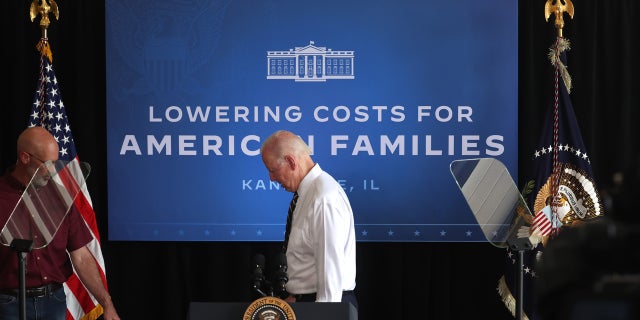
point(281, 277)
point(257, 277)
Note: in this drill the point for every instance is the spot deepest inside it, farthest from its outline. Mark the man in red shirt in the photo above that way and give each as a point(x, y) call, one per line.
point(49, 267)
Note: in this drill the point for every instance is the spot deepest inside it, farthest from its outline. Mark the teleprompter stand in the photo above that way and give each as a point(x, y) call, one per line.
point(497, 206)
point(22, 247)
point(520, 245)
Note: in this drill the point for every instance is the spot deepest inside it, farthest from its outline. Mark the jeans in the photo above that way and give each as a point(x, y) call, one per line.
point(49, 307)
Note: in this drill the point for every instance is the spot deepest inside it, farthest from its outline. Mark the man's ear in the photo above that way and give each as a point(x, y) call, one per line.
point(24, 157)
point(291, 161)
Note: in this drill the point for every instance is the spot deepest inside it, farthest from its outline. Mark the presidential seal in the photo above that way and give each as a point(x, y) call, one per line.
point(269, 308)
point(579, 199)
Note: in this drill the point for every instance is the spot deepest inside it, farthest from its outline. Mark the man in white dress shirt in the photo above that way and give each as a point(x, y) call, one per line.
point(321, 246)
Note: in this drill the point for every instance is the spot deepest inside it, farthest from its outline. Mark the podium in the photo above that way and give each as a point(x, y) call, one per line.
point(302, 310)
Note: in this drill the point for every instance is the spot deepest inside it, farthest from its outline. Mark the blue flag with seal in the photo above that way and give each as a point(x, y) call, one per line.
point(561, 191)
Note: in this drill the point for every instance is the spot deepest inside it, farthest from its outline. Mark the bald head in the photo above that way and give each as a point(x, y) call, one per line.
point(35, 146)
point(39, 142)
point(287, 158)
point(283, 142)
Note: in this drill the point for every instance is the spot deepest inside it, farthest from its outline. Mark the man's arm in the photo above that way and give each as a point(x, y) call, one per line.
point(87, 270)
point(332, 233)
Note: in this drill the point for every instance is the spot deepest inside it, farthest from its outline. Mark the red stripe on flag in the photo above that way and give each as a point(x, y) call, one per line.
point(83, 298)
point(542, 223)
point(83, 205)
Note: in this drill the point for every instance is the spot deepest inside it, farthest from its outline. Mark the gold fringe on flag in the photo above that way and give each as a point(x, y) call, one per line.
point(93, 314)
point(507, 298)
point(44, 49)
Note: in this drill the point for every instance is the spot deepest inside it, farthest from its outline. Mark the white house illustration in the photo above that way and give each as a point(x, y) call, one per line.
point(310, 63)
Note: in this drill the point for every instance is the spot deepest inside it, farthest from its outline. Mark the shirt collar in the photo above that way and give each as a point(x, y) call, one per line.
point(12, 181)
point(306, 181)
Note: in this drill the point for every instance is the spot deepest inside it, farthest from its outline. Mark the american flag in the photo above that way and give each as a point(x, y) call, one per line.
point(542, 221)
point(48, 111)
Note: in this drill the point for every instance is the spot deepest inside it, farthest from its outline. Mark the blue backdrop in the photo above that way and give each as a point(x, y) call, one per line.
point(387, 94)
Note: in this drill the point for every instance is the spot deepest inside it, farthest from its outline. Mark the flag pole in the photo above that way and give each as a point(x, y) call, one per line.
point(557, 8)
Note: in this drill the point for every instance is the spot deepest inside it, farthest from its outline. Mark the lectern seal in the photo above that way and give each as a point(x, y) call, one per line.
point(269, 308)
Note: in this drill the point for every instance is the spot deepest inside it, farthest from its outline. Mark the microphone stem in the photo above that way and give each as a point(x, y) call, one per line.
point(260, 291)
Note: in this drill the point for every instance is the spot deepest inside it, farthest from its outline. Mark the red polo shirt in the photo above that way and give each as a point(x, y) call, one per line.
point(45, 265)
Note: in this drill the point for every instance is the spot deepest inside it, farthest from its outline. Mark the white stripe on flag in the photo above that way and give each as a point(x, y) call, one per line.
point(73, 306)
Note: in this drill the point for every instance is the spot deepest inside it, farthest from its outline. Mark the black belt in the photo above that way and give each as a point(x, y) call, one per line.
point(311, 297)
point(45, 290)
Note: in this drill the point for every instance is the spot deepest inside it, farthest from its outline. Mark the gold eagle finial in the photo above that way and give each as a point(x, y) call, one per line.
point(43, 8)
point(558, 7)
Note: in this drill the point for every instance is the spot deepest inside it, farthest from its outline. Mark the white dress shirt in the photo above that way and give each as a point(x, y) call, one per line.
point(321, 255)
